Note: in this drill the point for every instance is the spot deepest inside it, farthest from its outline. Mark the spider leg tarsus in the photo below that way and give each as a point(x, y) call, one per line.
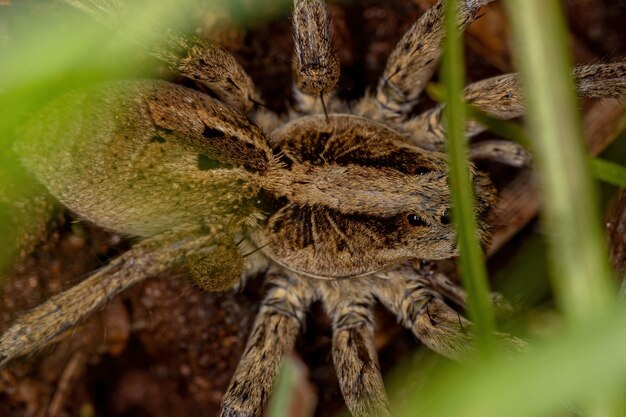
point(354, 354)
point(423, 311)
point(190, 56)
point(502, 97)
point(315, 64)
point(273, 334)
point(447, 334)
point(441, 328)
point(505, 152)
point(414, 60)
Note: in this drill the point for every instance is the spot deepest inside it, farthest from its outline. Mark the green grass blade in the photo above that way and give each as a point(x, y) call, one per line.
point(609, 172)
point(283, 390)
point(580, 271)
point(473, 272)
point(579, 263)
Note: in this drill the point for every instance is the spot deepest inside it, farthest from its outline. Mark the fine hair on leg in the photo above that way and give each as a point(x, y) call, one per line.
point(502, 151)
point(424, 311)
point(201, 60)
point(354, 353)
point(315, 63)
point(415, 58)
point(273, 334)
point(502, 97)
point(35, 329)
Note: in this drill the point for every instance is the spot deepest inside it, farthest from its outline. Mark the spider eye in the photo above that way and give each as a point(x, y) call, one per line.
point(446, 216)
point(415, 220)
point(422, 171)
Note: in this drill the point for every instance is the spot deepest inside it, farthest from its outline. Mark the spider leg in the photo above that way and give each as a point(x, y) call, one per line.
point(503, 151)
point(200, 60)
point(424, 311)
point(273, 334)
point(315, 63)
point(39, 326)
point(413, 62)
point(354, 354)
point(441, 283)
point(211, 65)
point(453, 292)
point(502, 97)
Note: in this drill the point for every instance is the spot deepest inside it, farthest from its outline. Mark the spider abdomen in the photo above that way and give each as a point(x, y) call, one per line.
point(142, 157)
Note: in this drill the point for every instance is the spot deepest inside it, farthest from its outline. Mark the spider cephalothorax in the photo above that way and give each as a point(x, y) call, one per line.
point(356, 199)
point(338, 206)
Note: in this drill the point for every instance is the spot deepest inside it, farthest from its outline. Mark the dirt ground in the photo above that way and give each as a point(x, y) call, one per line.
point(164, 348)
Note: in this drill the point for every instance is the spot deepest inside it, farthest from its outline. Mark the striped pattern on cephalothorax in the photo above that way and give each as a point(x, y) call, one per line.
point(355, 197)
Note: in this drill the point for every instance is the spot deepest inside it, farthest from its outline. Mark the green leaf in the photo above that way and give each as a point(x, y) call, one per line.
point(472, 264)
point(609, 172)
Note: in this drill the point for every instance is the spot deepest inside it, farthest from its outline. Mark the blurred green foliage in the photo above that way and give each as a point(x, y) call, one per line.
point(49, 47)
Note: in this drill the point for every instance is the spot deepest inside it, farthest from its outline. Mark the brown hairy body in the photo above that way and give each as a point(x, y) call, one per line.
point(337, 207)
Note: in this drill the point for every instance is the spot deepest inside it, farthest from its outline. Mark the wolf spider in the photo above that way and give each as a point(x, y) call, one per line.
point(333, 203)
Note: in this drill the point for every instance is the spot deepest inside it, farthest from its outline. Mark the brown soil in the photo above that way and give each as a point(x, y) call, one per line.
point(166, 349)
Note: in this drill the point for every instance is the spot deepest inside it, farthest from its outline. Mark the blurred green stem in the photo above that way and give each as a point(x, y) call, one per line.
point(284, 387)
point(609, 172)
point(579, 263)
point(473, 272)
point(580, 269)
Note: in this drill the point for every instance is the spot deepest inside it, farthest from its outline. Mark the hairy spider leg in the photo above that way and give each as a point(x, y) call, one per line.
point(421, 309)
point(273, 334)
point(413, 62)
point(451, 291)
point(35, 329)
point(502, 97)
point(315, 63)
point(201, 60)
point(212, 66)
point(354, 354)
point(502, 151)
